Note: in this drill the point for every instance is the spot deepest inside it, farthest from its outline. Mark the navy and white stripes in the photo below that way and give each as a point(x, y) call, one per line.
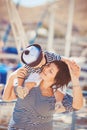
point(49, 58)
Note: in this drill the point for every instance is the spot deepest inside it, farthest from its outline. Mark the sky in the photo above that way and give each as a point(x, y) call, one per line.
point(32, 3)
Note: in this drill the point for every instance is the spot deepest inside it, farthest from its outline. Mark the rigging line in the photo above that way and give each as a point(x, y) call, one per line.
point(39, 24)
point(8, 29)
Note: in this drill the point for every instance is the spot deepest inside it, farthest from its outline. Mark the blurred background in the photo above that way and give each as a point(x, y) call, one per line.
point(59, 26)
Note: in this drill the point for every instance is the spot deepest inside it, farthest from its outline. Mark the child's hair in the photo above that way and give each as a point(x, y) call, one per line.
point(63, 75)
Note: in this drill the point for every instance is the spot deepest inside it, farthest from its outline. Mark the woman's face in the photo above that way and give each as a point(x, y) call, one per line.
point(49, 72)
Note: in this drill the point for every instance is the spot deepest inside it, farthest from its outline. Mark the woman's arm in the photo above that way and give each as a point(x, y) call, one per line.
point(9, 93)
point(77, 92)
point(70, 103)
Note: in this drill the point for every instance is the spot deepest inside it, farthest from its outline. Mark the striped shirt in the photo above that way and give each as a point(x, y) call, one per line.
point(49, 58)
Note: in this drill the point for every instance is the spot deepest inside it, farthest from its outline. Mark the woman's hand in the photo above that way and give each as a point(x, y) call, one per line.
point(74, 71)
point(73, 68)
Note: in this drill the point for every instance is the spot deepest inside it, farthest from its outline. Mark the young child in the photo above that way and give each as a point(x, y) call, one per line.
point(34, 59)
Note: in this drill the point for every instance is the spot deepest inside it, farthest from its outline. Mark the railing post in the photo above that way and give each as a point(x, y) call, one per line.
point(73, 120)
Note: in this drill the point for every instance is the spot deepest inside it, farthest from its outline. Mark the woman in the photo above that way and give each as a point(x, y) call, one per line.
point(34, 112)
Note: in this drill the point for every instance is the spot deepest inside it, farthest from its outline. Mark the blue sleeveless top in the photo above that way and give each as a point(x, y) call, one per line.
point(34, 112)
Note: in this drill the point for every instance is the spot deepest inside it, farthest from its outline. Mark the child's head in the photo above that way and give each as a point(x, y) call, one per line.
point(32, 55)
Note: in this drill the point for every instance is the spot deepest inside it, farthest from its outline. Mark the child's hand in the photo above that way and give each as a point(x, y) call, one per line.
point(22, 72)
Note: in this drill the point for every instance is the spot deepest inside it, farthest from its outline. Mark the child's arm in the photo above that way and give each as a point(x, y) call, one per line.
point(21, 75)
point(24, 86)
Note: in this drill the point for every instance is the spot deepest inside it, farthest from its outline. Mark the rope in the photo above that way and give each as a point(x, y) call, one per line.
point(39, 24)
point(7, 32)
point(8, 29)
